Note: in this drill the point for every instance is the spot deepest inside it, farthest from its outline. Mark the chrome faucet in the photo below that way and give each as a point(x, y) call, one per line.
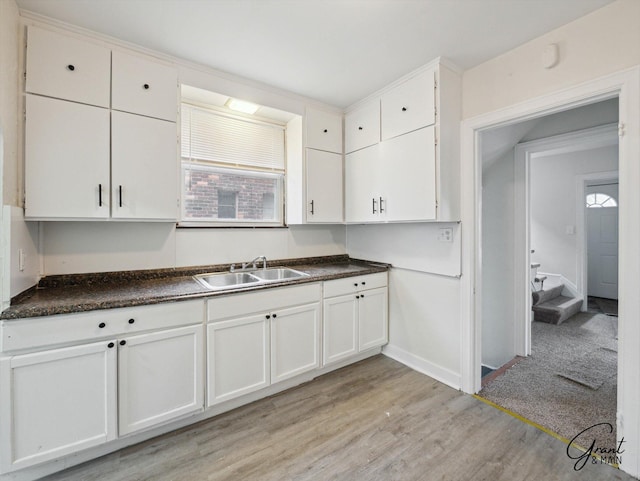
point(254, 261)
point(253, 265)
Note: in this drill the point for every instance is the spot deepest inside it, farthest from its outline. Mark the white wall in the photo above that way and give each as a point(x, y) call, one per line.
point(424, 318)
point(9, 123)
point(9, 21)
point(602, 42)
point(553, 206)
point(79, 247)
point(23, 237)
point(424, 323)
point(498, 273)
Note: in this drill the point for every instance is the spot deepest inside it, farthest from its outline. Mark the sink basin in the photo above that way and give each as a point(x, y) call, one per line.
point(230, 280)
point(278, 274)
point(226, 280)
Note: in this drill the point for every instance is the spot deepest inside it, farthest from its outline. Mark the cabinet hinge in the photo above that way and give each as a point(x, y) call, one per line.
point(620, 129)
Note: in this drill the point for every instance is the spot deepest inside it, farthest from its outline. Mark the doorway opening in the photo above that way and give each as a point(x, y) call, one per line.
point(543, 234)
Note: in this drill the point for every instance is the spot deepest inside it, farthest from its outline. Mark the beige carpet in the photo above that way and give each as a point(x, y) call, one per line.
point(569, 383)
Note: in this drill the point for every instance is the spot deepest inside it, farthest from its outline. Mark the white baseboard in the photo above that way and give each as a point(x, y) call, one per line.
point(439, 373)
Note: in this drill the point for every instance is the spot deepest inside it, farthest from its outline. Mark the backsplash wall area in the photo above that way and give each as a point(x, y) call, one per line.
point(80, 247)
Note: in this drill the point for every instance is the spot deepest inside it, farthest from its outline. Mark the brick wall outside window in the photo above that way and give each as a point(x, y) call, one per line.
point(201, 194)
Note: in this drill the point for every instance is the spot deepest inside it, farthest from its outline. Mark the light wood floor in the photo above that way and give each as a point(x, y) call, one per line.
point(375, 420)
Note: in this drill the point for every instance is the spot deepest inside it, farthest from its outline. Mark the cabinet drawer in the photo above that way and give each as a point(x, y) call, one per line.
point(323, 131)
point(144, 87)
point(409, 106)
point(67, 68)
point(36, 332)
point(348, 285)
point(237, 305)
point(362, 127)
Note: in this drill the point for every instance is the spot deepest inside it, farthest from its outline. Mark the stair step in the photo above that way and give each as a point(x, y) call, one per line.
point(545, 295)
point(557, 310)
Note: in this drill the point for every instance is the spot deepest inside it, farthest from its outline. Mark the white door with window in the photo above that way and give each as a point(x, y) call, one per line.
point(602, 239)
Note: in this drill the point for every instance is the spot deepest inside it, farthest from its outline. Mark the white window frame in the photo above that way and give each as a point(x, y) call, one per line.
point(236, 168)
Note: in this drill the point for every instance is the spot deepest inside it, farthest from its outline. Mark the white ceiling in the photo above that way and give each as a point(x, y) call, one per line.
point(335, 51)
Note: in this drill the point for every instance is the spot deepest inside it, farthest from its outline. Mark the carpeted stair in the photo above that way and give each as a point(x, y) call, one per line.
point(549, 305)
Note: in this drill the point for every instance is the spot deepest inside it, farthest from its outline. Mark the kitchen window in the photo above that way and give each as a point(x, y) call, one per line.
point(232, 169)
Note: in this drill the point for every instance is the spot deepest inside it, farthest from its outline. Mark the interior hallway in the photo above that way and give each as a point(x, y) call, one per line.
point(570, 380)
point(374, 420)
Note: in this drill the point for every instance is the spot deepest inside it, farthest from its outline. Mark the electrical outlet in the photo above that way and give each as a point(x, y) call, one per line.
point(445, 234)
point(21, 259)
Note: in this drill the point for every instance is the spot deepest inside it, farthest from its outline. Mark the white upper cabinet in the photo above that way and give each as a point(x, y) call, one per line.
point(362, 127)
point(143, 168)
point(409, 197)
point(100, 135)
point(143, 87)
point(323, 131)
point(66, 160)
point(67, 68)
point(363, 185)
point(413, 173)
point(409, 106)
point(324, 187)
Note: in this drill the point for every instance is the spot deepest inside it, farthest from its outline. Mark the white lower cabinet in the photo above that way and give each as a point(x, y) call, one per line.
point(159, 377)
point(238, 357)
point(75, 381)
point(122, 376)
point(355, 316)
point(261, 338)
point(340, 326)
point(295, 341)
point(56, 402)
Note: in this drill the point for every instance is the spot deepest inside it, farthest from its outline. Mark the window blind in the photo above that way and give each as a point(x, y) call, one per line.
point(210, 136)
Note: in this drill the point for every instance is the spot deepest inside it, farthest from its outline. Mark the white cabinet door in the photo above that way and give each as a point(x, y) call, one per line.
point(66, 160)
point(340, 328)
point(144, 168)
point(67, 68)
point(362, 185)
point(324, 186)
point(160, 377)
point(409, 172)
point(372, 318)
point(144, 87)
point(323, 131)
point(237, 357)
point(56, 402)
point(362, 127)
point(295, 339)
point(409, 106)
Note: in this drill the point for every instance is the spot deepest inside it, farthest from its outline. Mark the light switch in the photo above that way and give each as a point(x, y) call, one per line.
point(445, 234)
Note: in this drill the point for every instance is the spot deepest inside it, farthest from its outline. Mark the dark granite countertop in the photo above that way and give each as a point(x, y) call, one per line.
point(86, 292)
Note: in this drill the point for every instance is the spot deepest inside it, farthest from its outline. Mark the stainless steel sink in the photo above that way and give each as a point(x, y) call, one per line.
point(231, 280)
point(278, 274)
point(226, 280)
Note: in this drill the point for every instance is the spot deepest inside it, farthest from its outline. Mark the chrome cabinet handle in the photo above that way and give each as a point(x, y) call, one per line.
point(373, 205)
point(381, 209)
point(312, 211)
